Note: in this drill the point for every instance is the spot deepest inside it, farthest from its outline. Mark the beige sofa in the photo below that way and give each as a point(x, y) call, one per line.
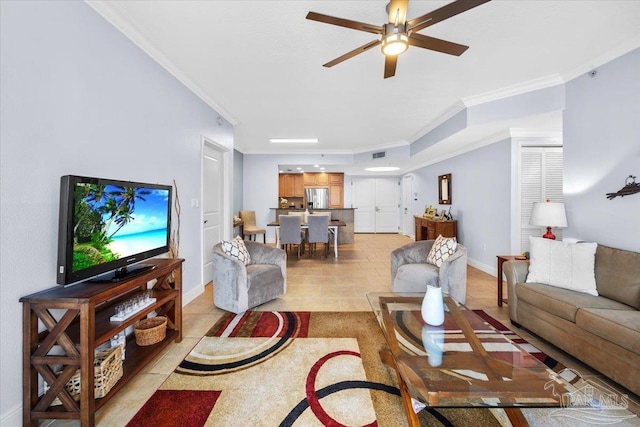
point(602, 331)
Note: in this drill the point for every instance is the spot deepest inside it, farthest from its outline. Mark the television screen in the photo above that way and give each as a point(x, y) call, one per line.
point(106, 225)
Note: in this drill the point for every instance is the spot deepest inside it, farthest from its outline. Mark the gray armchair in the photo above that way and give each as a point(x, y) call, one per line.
point(237, 287)
point(410, 271)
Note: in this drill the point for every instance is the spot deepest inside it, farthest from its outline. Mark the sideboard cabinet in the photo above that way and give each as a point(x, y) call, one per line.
point(429, 229)
point(76, 320)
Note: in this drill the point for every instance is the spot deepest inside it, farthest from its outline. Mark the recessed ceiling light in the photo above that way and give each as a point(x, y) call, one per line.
point(316, 166)
point(382, 169)
point(321, 169)
point(293, 140)
point(299, 169)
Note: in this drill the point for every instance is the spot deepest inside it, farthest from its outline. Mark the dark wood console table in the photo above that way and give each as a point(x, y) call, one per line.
point(429, 229)
point(82, 323)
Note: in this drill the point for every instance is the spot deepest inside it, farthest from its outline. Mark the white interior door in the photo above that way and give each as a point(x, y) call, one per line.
point(364, 200)
point(376, 203)
point(212, 206)
point(407, 198)
point(386, 205)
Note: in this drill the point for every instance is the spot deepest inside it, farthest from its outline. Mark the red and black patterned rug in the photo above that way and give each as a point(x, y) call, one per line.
point(296, 369)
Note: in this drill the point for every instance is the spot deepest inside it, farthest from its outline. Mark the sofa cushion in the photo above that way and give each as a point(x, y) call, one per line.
point(618, 275)
point(621, 327)
point(263, 274)
point(236, 249)
point(442, 249)
point(565, 265)
point(561, 302)
point(415, 277)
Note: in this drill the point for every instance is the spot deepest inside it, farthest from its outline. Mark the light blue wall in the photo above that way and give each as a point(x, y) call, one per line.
point(79, 98)
point(238, 187)
point(601, 149)
point(481, 199)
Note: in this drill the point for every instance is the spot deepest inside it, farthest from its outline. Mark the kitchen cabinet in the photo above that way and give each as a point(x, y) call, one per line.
point(316, 179)
point(336, 178)
point(336, 196)
point(336, 190)
point(291, 185)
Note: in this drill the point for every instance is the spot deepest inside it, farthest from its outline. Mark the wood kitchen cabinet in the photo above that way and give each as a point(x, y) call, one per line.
point(336, 190)
point(320, 179)
point(291, 185)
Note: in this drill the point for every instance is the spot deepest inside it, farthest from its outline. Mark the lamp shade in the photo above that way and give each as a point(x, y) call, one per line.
point(548, 214)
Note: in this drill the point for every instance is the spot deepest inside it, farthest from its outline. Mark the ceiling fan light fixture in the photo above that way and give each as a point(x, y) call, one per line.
point(395, 40)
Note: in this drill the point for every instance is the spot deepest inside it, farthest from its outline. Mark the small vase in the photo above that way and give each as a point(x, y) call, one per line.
point(432, 306)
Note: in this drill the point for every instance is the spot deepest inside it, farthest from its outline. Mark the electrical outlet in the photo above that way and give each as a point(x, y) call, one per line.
point(195, 203)
point(484, 247)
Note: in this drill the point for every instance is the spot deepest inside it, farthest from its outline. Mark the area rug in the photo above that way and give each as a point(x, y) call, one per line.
point(297, 369)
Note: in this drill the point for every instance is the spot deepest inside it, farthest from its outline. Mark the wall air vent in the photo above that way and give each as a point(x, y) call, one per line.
point(379, 155)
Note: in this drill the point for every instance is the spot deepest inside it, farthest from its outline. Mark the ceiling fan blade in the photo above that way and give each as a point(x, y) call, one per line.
point(341, 22)
point(398, 11)
point(443, 13)
point(438, 45)
point(390, 62)
point(352, 53)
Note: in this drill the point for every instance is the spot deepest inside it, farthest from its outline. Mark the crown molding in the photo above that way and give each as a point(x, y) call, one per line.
point(517, 89)
point(114, 14)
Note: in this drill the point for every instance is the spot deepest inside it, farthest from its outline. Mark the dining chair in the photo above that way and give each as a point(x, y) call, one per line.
point(249, 227)
point(318, 233)
point(291, 231)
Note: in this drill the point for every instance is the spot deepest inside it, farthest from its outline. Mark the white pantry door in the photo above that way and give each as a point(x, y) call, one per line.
point(364, 200)
point(212, 205)
point(376, 203)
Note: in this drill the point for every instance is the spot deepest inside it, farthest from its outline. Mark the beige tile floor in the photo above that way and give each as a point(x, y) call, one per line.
point(317, 284)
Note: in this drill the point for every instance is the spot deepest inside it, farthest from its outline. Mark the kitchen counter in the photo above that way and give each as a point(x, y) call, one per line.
point(345, 234)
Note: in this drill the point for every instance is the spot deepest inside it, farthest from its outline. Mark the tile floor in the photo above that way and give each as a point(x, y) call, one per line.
point(318, 284)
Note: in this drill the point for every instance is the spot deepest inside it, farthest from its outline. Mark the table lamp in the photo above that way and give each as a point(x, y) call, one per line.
point(548, 214)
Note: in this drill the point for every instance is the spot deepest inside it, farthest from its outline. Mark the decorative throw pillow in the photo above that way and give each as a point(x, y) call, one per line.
point(565, 265)
point(442, 249)
point(236, 249)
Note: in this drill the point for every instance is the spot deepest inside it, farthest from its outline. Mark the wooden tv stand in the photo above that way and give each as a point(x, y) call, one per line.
point(81, 324)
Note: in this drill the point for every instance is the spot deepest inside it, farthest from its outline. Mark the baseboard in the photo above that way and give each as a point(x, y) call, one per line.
point(192, 294)
point(492, 270)
point(12, 418)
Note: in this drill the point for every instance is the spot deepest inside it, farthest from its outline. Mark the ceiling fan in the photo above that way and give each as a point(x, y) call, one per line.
point(399, 33)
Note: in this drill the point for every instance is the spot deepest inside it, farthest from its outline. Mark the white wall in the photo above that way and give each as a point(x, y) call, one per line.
point(601, 149)
point(79, 98)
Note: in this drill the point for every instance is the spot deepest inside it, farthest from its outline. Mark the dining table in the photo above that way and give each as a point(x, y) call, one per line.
point(334, 225)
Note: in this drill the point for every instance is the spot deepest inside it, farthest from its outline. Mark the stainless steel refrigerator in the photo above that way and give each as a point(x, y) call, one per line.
point(317, 198)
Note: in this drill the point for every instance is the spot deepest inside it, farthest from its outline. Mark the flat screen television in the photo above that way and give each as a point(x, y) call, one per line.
point(106, 227)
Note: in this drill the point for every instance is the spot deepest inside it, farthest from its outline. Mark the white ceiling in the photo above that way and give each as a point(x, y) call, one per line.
point(259, 63)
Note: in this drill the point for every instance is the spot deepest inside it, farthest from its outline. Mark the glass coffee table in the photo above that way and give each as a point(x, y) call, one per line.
point(464, 363)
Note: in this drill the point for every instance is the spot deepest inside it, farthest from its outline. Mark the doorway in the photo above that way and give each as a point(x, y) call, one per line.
point(376, 203)
point(215, 196)
point(407, 197)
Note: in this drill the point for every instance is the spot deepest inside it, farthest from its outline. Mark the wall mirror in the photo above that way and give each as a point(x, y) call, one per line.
point(444, 189)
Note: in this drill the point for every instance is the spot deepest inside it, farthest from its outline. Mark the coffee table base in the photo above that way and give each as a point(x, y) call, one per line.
point(515, 415)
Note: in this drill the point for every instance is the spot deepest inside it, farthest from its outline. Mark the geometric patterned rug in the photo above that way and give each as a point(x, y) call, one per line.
point(296, 369)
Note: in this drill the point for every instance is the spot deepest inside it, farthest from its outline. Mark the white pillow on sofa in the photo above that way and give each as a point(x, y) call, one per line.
point(565, 265)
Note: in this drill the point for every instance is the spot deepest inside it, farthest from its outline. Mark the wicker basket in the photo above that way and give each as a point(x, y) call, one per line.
point(107, 372)
point(150, 331)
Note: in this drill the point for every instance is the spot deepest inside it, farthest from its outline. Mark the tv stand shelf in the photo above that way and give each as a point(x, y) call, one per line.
point(82, 323)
